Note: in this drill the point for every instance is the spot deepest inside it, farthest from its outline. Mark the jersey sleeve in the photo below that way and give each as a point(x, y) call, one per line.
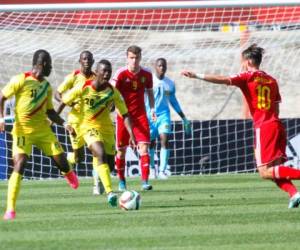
point(239, 79)
point(67, 84)
point(13, 86)
point(173, 100)
point(119, 103)
point(49, 98)
point(69, 97)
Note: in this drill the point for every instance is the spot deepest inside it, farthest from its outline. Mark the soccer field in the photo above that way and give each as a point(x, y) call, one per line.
point(197, 212)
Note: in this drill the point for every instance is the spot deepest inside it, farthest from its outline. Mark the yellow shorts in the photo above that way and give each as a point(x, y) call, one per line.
point(108, 139)
point(46, 141)
point(77, 141)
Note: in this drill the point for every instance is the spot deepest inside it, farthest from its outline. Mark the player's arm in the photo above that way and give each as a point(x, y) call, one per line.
point(151, 103)
point(128, 126)
point(176, 106)
point(2, 121)
point(10, 89)
point(54, 116)
point(62, 88)
point(120, 105)
point(217, 79)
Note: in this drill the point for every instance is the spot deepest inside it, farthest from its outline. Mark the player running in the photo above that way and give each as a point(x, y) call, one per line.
point(33, 105)
point(132, 82)
point(96, 99)
point(262, 94)
point(164, 94)
point(78, 77)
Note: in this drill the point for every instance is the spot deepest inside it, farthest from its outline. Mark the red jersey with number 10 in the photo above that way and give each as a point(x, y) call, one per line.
point(262, 94)
point(132, 87)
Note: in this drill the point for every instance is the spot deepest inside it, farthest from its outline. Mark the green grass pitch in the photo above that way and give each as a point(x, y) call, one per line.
point(196, 212)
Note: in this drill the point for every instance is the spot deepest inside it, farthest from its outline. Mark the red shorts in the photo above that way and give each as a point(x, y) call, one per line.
point(140, 128)
point(270, 143)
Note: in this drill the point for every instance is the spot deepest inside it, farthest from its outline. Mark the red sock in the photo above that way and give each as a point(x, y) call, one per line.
point(144, 163)
point(120, 167)
point(288, 173)
point(286, 186)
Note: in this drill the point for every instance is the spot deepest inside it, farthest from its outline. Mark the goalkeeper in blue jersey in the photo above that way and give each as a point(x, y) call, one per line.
point(164, 94)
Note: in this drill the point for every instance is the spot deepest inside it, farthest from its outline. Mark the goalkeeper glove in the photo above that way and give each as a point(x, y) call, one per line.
point(187, 126)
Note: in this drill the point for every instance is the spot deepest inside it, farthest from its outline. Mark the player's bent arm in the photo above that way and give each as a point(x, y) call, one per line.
point(58, 96)
point(2, 121)
point(60, 108)
point(217, 79)
point(54, 117)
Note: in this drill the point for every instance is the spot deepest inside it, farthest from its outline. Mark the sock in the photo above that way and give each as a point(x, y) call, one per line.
point(151, 153)
point(286, 186)
point(14, 184)
point(288, 173)
point(164, 156)
point(95, 173)
point(104, 173)
point(144, 164)
point(120, 166)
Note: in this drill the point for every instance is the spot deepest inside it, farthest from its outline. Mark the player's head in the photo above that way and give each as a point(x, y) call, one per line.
point(134, 56)
point(252, 56)
point(86, 60)
point(42, 63)
point(103, 71)
point(160, 67)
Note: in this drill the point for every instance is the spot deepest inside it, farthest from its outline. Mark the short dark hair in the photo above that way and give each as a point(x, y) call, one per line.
point(134, 49)
point(38, 55)
point(253, 53)
point(105, 62)
point(161, 59)
point(86, 52)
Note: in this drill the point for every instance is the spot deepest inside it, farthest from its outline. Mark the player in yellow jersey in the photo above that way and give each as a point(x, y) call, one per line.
point(33, 105)
point(97, 98)
point(78, 77)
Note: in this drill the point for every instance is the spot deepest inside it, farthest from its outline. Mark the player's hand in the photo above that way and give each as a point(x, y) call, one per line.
point(189, 74)
point(70, 129)
point(132, 142)
point(153, 115)
point(187, 127)
point(2, 125)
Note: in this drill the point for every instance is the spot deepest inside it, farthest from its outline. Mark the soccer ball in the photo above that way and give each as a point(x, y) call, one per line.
point(130, 200)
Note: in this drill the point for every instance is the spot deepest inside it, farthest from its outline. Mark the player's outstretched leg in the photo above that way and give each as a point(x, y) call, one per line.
point(66, 170)
point(98, 187)
point(72, 179)
point(104, 173)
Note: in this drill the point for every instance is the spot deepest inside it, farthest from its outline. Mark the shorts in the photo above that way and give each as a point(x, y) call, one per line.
point(270, 143)
point(96, 135)
point(77, 142)
point(140, 127)
point(162, 125)
point(45, 140)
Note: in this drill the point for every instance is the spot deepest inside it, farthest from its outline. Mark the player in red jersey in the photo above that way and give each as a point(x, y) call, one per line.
point(262, 95)
point(132, 82)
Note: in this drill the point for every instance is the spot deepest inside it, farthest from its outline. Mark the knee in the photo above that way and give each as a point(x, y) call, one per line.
point(265, 173)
